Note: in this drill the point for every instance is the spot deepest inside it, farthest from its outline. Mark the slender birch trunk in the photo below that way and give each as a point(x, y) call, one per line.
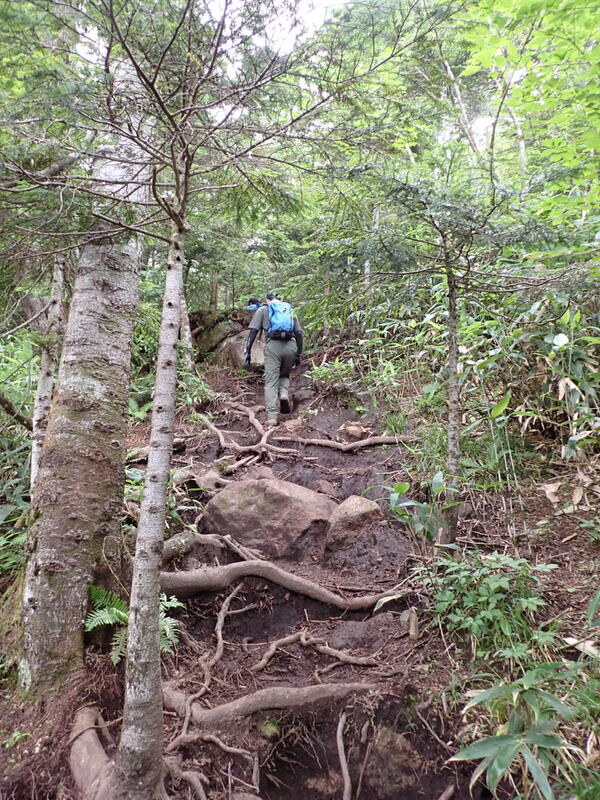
point(454, 415)
point(49, 359)
point(185, 334)
point(139, 756)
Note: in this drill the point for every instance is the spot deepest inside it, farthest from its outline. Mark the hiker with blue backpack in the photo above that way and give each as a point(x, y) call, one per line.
point(282, 352)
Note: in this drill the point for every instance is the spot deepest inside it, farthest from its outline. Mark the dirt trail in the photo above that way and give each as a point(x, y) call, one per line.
point(289, 656)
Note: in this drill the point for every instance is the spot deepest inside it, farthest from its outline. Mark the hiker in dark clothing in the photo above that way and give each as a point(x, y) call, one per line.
point(282, 352)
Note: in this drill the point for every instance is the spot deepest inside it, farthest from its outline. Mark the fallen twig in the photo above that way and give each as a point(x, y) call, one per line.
point(448, 792)
point(261, 700)
point(211, 579)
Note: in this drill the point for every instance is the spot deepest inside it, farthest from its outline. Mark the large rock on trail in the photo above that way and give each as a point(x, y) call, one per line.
point(273, 516)
point(212, 336)
point(230, 352)
point(350, 519)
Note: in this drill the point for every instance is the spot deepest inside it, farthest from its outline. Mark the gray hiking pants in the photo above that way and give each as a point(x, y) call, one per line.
point(279, 360)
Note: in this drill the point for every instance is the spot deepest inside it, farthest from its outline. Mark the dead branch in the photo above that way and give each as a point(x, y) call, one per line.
point(274, 697)
point(212, 579)
point(342, 756)
point(347, 447)
point(14, 412)
point(246, 553)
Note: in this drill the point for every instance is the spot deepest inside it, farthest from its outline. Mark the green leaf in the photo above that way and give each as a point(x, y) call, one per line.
point(502, 761)
point(537, 773)
point(489, 694)
point(593, 607)
point(485, 747)
point(401, 488)
point(501, 405)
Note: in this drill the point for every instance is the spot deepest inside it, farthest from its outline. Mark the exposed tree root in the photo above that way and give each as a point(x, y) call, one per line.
point(262, 446)
point(206, 664)
point(87, 758)
point(182, 543)
point(318, 644)
point(212, 579)
point(273, 697)
point(191, 777)
point(247, 461)
point(251, 416)
point(347, 447)
point(347, 795)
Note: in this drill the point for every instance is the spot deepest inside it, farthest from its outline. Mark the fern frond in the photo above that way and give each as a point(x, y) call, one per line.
point(105, 616)
point(169, 636)
point(118, 645)
point(104, 598)
point(169, 602)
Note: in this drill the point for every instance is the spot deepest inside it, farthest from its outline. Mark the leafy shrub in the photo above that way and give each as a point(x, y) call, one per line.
point(110, 609)
point(145, 338)
point(334, 377)
point(490, 598)
point(526, 714)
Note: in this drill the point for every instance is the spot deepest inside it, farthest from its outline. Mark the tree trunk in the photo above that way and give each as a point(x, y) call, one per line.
point(78, 492)
point(448, 534)
point(139, 756)
point(185, 334)
point(49, 358)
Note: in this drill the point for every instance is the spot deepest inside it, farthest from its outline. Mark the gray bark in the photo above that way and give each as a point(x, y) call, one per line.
point(78, 491)
point(48, 362)
point(139, 756)
point(185, 334)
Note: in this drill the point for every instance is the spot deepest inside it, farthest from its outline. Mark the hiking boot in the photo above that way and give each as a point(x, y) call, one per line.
point(271, 423)
point(284, 404)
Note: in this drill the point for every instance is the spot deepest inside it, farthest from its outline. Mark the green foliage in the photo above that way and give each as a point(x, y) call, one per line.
point(193, 391)
point(333, 377)
point(490, 598)
point(528, 715)
point(110, 609)
point(424, 519)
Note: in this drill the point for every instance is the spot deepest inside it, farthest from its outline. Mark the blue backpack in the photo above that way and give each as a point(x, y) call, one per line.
point(281, 320)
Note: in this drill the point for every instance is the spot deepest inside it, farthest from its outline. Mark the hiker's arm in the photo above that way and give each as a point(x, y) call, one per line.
point(299, 337)
point(249, 342)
